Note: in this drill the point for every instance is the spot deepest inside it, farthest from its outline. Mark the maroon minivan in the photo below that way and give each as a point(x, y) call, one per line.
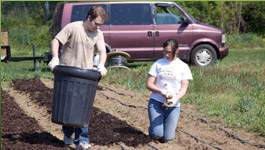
point(140, 28)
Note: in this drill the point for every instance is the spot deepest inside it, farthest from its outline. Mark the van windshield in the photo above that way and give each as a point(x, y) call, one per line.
point(168, 14)
point(188, 14)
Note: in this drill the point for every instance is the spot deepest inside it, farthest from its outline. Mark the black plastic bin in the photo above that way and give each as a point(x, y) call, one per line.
point(73, 95)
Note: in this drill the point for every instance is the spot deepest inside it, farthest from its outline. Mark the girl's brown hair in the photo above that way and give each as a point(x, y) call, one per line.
point(174, 46)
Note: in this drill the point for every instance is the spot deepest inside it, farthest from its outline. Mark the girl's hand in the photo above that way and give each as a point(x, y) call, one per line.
point(167, 94)
point(171, 102)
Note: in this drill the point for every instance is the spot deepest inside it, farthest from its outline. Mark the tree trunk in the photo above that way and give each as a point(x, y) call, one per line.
point(47, 9)
point(239, 18)
point(236, 18)
point(42, 12)
point(25, 8)
point(222, 15)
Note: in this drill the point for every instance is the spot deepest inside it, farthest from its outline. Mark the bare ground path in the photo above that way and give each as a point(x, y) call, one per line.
point(111, 101)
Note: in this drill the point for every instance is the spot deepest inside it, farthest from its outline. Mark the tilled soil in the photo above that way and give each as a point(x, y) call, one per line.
point(18, 131)
point(119, 121)
point(104, 128)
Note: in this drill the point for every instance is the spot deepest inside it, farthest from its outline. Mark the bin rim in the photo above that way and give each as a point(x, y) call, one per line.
point(70, 71)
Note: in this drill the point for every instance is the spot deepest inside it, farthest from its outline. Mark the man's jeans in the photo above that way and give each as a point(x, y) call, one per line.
point(163, 120)
point(81, 134)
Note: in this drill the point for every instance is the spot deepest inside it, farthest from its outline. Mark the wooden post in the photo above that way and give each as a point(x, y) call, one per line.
point(4, 42)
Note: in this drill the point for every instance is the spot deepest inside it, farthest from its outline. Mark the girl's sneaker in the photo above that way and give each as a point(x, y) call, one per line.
point(83, 146)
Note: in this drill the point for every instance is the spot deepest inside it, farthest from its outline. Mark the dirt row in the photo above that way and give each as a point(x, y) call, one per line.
point(113, 123)
point(19, 131)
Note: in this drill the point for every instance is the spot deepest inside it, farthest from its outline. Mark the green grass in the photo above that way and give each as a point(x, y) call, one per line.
point(23, 32)
point(246, 40)
point(232, 90)
point(23, 69)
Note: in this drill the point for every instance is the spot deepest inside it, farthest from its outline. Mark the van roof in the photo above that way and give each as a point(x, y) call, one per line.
point(118, 2)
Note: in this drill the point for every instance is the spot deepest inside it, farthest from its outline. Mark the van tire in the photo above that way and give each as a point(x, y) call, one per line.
point(203, 55)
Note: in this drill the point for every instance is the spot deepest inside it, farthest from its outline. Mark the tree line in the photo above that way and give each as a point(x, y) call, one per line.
point(234, 17)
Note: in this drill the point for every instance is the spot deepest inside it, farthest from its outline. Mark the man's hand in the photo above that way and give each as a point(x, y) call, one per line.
point(102, 70)
point(54, 62)
point(167, 94)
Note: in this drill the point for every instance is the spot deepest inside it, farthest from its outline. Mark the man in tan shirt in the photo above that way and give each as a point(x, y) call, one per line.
point(79, 40)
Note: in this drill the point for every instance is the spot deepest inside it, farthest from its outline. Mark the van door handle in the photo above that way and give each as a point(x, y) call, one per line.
point(156, 34)
point(149, 34)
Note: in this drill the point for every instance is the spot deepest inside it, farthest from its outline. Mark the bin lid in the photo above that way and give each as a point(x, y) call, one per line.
point(70, 71)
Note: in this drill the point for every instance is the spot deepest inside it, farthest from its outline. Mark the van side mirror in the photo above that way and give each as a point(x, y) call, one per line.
point(184, 21)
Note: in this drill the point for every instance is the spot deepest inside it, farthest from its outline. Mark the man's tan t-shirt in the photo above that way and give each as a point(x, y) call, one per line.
point(79, 45)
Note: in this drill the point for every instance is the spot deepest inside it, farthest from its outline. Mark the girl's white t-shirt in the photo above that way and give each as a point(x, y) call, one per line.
point(169, 75)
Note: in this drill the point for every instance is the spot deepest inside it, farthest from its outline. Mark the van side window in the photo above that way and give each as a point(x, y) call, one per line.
point(79, 12)
point(130, 14)
point(168, 15)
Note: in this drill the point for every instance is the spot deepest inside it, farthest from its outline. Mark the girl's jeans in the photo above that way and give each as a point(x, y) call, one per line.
point(163, 120)
point(81, 134)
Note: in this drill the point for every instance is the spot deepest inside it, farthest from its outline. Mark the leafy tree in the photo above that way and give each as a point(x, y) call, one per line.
point(231, 16)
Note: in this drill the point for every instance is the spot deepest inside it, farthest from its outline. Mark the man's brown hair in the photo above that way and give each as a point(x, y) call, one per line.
point(96, 11)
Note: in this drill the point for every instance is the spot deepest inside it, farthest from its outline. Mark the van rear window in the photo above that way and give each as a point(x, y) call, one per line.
point(79, 12)
point(130, 14)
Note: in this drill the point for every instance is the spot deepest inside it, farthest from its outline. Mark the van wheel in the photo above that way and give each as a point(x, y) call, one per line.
point(203, 55)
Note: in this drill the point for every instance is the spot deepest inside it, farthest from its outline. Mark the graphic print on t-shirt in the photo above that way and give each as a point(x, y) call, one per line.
point(167, 73)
